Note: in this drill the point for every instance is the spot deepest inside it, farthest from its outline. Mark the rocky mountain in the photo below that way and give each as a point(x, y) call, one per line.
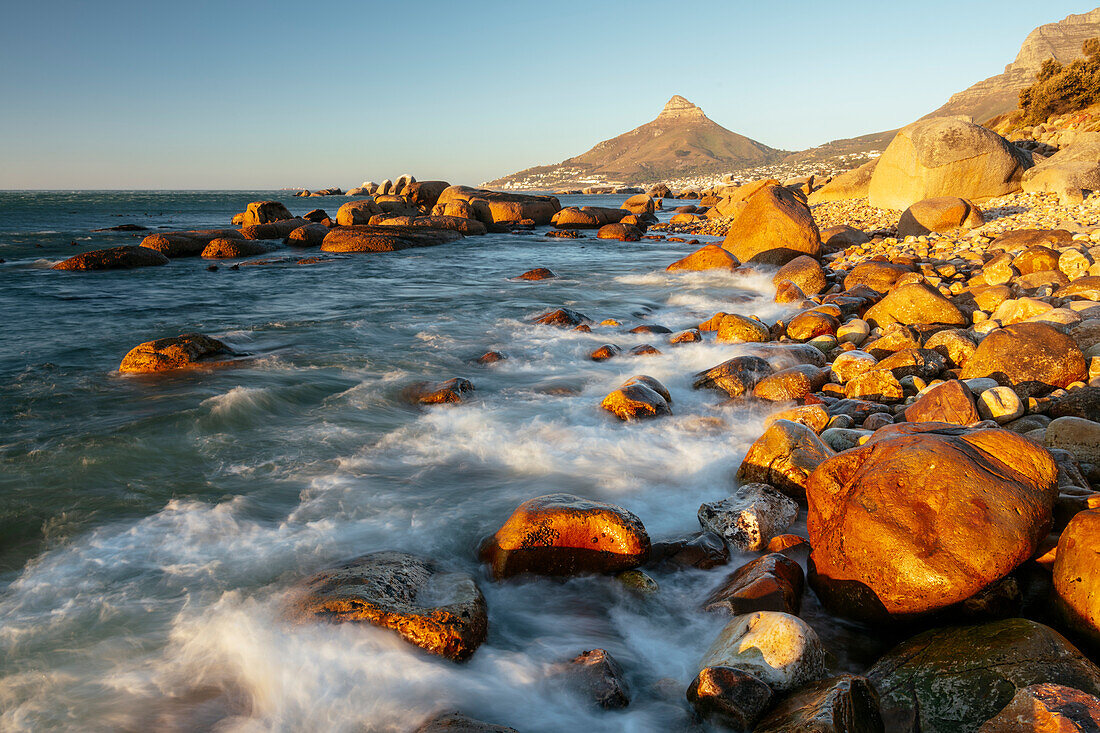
point(681, 141)
point(1000, 94)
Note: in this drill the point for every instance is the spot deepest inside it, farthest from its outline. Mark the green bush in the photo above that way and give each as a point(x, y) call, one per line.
point(1059, 89)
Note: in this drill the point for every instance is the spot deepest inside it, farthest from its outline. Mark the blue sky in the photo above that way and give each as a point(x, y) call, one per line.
point(197, 94)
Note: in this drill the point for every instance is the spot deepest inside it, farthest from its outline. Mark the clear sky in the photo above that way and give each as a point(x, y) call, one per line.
point(250, 94)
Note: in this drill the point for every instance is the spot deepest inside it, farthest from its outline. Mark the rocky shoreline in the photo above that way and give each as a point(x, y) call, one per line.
point(934, 400)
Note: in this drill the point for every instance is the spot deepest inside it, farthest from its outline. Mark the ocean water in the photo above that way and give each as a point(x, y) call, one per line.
point(151, 527)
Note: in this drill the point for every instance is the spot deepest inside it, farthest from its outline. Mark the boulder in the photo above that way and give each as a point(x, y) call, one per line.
point(1000, 404)
point(605, 352)
point(773, 228)
point(621, 232)
point(1077, 574)
point(735, 329)
point(734, 377)
point(188, 351)
point(840, 237)
point(917, 304)
point(1079, 436)
point(955, 345)
point(638, 399)
point(452, 223)
point(941, 214)
point(1076, 167)
point(945, 156)
point(954, 679)
point(357, 212)
point(1032, 358)
point(264, 212)
point(771, 582)
point(851, 364)
point(784, 457)
point(505, 208)
point(843, 704)
point(440, 612)
point(573, 217)
point(777, 648)
point(750, 517)
point(950, 402)
point(790, 384)
point(853, 184)
point(562, 318)
point(113, 258)
point(424, 194)
point(975, 505)
point(539, 273)
point(876, 274)
point(805, 272)
point(640, 205)
point(310, 235)
point(562, 534)
point(450, 391)
point(709, 257)
point(811, 324)
point(597, 676)
point(1047, 707)
point(384, 238)
point(228, 248)
point(186, 244)
point(728, 696)
point(272, 229)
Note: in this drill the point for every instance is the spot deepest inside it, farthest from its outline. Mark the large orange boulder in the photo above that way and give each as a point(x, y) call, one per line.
point(453, 223)
point(504, 207)
point(784, 456)
point(272, 229)
point(1032, 358)
point(562, 534)
point(915, 304)
point(263, 212)
point(773, 228)
point(384, 238)
point(189, 351)
point(925, 517)
point(805, 272)
point(639, 398)
point(945, 156)
point(735, 377)
point(186, 244)
point(710, 257)
point(442, 613)
point(424, 194)
point(1077, 574)
point(227, 248)
point(940, 214)
point(875, 274)
point(357, 212)
point(113, 258)
point(1047, 708)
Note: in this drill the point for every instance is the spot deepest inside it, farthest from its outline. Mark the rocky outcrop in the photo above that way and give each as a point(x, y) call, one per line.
point(189, 351)
point(384, 238)
point(263, 212)
point(113, 258)
point(773, 228)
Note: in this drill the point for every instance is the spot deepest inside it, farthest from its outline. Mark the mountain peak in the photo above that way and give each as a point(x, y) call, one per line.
point(679, 108)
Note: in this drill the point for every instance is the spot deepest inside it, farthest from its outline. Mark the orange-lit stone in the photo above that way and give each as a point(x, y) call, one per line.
point(189, 351)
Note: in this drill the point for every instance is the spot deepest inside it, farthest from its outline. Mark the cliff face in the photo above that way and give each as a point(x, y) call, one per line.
point(681, 141)
point(1000, 94)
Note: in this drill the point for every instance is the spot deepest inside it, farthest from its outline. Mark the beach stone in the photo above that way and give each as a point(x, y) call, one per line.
point(841, 439)
point(876, 385)
point(811, 324)
point(703, 550)
point(750, 517)
point(777, 648)
point(645, 350)
point(598, 677)
point(652, 383)
point(1083, 287)
point(734, 377)
point(895, 337)
point(976, 504)
point(1047, 708)
point(264, 212)
point(773, 228)
point(687, 336)
point(954, 345)
point(728, 696)
point(638, 399)
point(384, 238)
point(945, 156)
point(563, 318)
point(1032, 358)
point(950, 402)
point(539, 273)
point(815, 417)
point(844, 704)
point(490, 357)
point(851, 364)
point(188, 351)
point(1083, 402)
point(561, 535)
point(1077, 575)
point(771, 582)
point(784, 355)
point(784, 457)
point(442, 613)
point(792, 383)
point(955, 679)
point(805, 272)
point(915, 303)
point(454, 722)
point(709, 257)
point(923, 363)
point(438, 393)
point(788, 292)
point(1036, 258)
point(1077, 435)
point(1020, 239)
point(605, 352)
point(853, 332)
point(735, 329)
point(1000, 404)
point(650, 328)
point(842, 236)
point(113, 258)
point(939, 214)
point(227, 248)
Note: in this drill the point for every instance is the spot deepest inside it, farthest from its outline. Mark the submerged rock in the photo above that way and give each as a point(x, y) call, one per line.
point(640, 397)
point(443, 613)
point(385, 238)
point(729, 696)
point(189, 351)
point(437, 393)
point(113, 258)
point(597, 676)
point(561, 535)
